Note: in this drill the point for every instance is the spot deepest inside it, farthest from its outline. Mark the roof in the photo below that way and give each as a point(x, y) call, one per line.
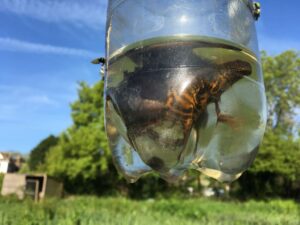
point(4, 156)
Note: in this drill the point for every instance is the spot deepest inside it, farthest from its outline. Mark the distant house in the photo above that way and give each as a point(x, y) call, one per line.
point(4, 162)
point(10, 163)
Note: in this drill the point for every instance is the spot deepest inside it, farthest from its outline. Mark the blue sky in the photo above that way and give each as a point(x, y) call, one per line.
point(46, 47)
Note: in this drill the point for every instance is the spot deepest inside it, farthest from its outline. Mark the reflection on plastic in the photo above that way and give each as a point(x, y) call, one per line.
point(184, 102)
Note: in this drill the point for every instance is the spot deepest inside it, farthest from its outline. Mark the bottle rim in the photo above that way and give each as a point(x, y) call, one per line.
point(112, 4)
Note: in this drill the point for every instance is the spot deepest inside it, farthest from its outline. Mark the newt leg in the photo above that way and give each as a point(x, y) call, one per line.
point(231, 121)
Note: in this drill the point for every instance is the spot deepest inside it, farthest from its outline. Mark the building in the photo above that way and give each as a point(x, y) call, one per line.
point(37, 186)
point(10, 163)
point(4, 162)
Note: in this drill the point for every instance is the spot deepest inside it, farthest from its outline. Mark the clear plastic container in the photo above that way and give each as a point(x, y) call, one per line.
point(184, 87)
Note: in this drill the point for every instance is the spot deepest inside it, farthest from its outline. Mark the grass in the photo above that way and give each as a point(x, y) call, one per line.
point(1, 180)
point(121, 211)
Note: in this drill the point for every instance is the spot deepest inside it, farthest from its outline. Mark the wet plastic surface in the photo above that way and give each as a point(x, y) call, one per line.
point(180, 102)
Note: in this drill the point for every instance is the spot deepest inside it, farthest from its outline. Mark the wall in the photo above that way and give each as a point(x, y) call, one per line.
point(53, 188)
point(4, 166)
point(14, 184)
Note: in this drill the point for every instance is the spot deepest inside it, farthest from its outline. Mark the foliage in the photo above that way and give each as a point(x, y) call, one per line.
point(282, 82)
point(89, 107)
point(82, 158)
point(25, 168)
point(276, 170)
point(91, 210)
point(37, 155)
point(1, 180)
point(279, 156)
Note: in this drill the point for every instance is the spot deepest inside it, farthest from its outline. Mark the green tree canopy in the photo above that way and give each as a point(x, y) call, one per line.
point(282, 82)
point(280, 149)
point(276, 170)
point(38, 154)
point(82, 158)
point(82, 154)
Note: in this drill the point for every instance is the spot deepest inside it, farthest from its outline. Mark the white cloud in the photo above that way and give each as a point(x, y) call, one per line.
point(16, 100)
point(10, 44)
point(91, 13)
point(23, 94)
point(40, 99)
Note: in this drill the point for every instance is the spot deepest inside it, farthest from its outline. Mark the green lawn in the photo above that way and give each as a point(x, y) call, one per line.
point(110, 211)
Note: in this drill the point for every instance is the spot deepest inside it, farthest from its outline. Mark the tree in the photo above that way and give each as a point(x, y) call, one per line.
point(82, 158)
point(282, 82)
point(37, 155)
point(89, 107)
point(276, 170)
